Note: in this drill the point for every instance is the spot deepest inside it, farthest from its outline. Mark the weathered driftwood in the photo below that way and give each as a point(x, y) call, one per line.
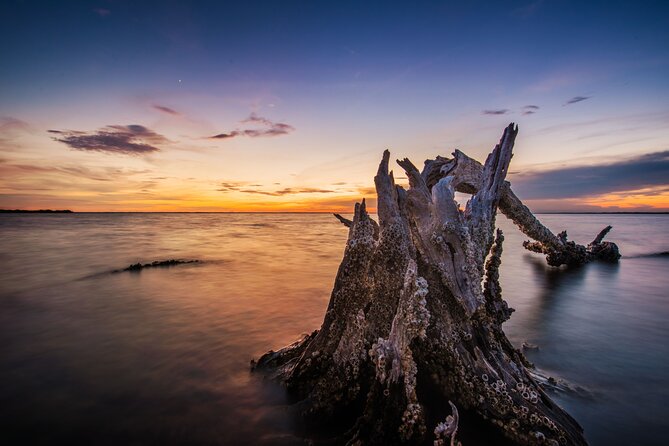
point(467, 178)
point(156, 264)
point(411, 326)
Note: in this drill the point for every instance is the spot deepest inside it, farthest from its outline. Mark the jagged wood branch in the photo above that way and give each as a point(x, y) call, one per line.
point(468, 175)
point(601, 235)
point(345, 221)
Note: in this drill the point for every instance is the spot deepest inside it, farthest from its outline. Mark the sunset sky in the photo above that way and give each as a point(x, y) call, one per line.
point(116, 105)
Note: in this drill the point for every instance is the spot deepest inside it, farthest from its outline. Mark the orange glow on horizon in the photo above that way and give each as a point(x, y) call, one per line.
point(639, 200)
point(655, 198)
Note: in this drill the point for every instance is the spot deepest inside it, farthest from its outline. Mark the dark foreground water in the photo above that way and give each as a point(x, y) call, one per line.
point(161, 356)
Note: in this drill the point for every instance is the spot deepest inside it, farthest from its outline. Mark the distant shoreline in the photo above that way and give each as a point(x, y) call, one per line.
point(39, 211)
point(67, 211)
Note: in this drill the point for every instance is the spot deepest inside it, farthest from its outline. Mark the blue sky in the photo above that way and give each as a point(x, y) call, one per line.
point(585, 81)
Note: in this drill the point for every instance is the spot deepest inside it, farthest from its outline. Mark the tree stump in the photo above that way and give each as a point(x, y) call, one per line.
point(412, 341)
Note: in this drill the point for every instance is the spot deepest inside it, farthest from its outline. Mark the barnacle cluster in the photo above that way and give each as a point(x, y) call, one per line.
point(365, 241)
point(379, 353)
point(412, 420)
point(351, 348)
point(527, 392)
point(418, 317)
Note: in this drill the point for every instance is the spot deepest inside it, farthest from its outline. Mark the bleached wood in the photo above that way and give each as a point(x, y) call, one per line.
point(411, 326)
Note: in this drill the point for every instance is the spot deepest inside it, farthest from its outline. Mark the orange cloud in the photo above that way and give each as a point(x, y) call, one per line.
point(656, 198)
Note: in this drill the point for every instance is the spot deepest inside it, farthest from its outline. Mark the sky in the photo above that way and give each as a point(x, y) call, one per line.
point(116, 105)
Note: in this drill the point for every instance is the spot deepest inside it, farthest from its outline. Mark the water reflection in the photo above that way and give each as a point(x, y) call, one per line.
point(162, 356)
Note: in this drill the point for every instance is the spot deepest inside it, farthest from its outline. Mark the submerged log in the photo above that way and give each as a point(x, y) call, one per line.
point(135, 267)
point(412, 335)
point(467, 178)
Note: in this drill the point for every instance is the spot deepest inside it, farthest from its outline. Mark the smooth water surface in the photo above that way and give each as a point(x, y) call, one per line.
point(162, 356)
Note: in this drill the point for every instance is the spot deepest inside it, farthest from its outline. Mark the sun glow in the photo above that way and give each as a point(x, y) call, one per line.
point(652, 198)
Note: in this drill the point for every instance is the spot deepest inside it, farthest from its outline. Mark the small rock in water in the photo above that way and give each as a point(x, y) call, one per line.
point(530, 346)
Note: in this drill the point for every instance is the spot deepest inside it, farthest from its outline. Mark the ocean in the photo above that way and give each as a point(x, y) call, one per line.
point(161, 356)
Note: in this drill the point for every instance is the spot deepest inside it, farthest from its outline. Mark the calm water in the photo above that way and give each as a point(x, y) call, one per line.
point(161, 356)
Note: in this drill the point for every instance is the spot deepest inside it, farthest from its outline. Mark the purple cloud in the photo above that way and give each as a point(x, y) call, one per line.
point(530, 109)
point(122, 139)
point(644, 171)
point(270, 129)
point(502, 111)
point(576, 99)
point(164, 109)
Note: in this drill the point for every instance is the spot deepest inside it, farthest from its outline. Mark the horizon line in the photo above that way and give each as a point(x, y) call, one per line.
point(68, 211)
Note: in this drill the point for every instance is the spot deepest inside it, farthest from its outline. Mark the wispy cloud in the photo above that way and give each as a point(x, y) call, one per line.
point(239, 186)
point(167, 110)
point(645, 171)
point(529, 109)
point(9, 124)
point(230, 186)
point(12, 169)
point(255, 119)
point(576, 99)
point(370, 190)
point(120, 139)
point(287, 191)
point(102, 12)
point(30, 177)
point(270, 128)
point(502, 111)
point(12, 130)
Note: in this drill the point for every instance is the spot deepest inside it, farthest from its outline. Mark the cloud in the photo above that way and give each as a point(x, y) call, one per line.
point(230, 186)
point(102, 12)
point(122, 139)
point(164, 109)
point(10, 125)
point(645, 171)
point(224, 135)
point(576, 99)
point(366, 190)
point(530, 109)
point(287, 191)
point(502, 111)
point(255, 119)
point(270, 129)
point(27, 176)
point(238, 186)
point(11, 129)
